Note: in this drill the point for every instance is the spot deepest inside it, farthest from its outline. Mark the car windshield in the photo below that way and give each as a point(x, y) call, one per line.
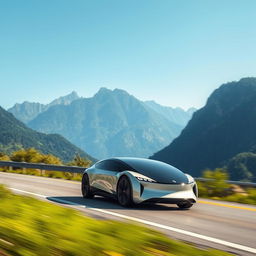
point(159, 171)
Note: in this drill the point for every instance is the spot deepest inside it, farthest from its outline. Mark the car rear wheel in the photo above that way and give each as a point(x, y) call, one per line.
point(86, 189)
point(124, 192)
point(184, 205)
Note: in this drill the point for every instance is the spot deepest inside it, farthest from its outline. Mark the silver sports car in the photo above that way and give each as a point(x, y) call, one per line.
point(136, 180)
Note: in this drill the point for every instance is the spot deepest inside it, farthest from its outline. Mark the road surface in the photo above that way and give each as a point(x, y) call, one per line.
point(222, 225)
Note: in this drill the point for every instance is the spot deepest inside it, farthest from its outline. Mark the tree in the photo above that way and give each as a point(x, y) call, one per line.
point(80, 161)
point(242, 167)
point(216, 185)
point(31, 155)
point(50, 159)
point(4, 157)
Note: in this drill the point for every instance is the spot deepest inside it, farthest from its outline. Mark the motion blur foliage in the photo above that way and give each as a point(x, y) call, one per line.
point(248, 198)
point(29, 227)
point(217, 188)
point(216, 185)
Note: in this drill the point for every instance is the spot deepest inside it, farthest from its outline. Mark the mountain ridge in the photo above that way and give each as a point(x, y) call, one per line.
point(27, 111)
point(176, 115)
point(224, 127)
point(101, 124)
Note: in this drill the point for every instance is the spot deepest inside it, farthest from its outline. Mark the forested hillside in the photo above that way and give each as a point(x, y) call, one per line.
point(15, 135)
point(219, 131)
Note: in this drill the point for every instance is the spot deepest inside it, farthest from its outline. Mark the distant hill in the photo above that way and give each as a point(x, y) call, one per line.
point(15, 135)
point(175, 115)
point(27, 111)
point(111, 123)
point(223, 128)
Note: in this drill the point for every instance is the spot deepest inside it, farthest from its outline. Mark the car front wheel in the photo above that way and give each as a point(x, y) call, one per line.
point(124, 192)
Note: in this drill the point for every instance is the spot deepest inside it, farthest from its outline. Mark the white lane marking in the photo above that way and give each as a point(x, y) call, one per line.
point(146, 222)
point(30, 193)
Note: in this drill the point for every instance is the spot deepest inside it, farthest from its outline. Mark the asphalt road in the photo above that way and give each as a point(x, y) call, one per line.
point(221, 225)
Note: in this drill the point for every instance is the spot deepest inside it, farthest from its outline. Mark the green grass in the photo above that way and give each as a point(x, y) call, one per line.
point(249, 198)
point(31, 227)
point(226, 194)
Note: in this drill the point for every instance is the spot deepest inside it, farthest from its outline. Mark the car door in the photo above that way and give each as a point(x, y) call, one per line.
point(105, 176)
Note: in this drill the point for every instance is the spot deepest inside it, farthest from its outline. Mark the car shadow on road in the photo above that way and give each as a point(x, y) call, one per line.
point(109, 203)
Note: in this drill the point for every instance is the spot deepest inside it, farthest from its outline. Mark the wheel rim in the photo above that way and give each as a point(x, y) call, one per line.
point(124, 192)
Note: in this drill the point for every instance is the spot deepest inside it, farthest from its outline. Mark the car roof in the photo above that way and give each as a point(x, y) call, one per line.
point(157, 170)
point(130, 160)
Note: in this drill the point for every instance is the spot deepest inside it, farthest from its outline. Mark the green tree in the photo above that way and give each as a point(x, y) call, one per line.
point(242, 167)
point(31, 155)
point(4, 157)
point(80, 161)
point(50, 159)
point(216, 185)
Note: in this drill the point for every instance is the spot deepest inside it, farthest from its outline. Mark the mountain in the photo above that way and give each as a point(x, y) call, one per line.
point(111, 123)
point(175, 115)
point(64, 100)
point(27, 111)
point(220, 130)
point(15, 135)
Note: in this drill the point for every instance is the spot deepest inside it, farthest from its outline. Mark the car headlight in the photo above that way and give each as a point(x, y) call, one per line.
point(145, 179)
point(190, 178)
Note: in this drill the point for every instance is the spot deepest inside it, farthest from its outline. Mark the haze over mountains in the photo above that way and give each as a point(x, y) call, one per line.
point(14, 135)
point(27, 111)
point(223, 128)
point(175, 115)
point(111, 123)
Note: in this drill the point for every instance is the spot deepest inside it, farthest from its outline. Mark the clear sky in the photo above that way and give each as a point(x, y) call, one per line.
point(175, 52)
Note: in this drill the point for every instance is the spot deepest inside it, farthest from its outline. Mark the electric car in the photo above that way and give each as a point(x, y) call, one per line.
point(136, 180)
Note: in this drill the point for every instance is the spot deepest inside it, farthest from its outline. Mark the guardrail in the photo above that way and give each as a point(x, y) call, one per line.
point(49, 167)
point(76, 169)
point(240, 183)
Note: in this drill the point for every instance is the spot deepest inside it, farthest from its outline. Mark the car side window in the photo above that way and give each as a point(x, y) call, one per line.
point(112, 165)
point(100, 165)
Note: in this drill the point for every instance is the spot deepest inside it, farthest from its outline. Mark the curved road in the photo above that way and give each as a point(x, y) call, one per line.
point(221, 225)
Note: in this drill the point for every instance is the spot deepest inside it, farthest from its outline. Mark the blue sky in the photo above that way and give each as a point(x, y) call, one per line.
point(175, 52)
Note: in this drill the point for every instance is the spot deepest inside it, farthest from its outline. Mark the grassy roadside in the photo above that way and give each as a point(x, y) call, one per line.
point(245, 196)
point(31, 227)
point(216, 189)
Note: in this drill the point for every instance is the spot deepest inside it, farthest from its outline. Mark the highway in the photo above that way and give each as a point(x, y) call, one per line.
point(222, 225)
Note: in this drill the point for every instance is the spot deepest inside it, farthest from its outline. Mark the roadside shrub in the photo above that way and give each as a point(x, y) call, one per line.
point(216, 185)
